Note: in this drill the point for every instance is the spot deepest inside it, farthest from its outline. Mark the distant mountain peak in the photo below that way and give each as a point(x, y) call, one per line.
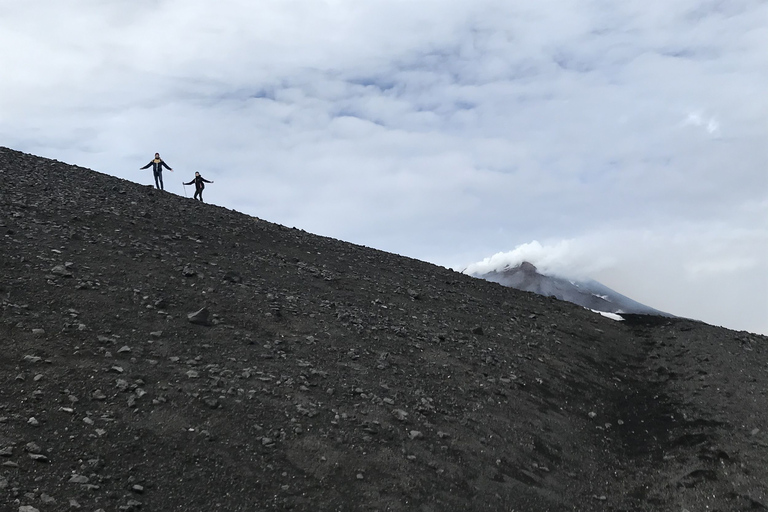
point(528, 268)
point(587, 293)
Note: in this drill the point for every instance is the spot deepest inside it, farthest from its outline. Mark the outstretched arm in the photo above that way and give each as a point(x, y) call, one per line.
point(146, 166)
point(191, 182)
point(205, 180)
point(162, 162)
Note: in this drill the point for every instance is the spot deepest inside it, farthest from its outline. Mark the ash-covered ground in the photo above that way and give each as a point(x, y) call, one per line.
point(330, 376)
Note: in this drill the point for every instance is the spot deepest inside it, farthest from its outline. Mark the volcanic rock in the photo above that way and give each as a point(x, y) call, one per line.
point(337, 377)
point(200, 317)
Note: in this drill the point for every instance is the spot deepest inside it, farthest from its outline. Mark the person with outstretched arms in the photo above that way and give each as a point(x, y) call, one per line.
point(199, 182)
point(157, 168)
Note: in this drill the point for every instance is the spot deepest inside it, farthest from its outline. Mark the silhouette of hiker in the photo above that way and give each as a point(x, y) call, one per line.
point(157, 168)
point(199, 182)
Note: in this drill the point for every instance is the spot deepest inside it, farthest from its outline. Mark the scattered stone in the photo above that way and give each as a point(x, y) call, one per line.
point(38, 457)
point(27, 508)
point(32, 359)
point(200, 317)
point(98, 395)
point(415, 434)
point(400, 414)
point(33, 447)
point(592, 414)
point(233, 277)
point(47, 499)
point(61, 271)
point(78, 479)
point(124, 349)
point(38, 332)
point(360, 476)
point(33, 422)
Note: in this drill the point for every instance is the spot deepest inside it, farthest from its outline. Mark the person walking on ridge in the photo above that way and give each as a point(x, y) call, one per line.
point(199, 182)
point(157, 168)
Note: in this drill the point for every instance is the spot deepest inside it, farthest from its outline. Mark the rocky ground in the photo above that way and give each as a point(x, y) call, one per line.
point(322, 375)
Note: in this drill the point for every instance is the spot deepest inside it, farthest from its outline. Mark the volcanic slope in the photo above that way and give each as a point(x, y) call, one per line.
point(332, 376)
point(587, 293)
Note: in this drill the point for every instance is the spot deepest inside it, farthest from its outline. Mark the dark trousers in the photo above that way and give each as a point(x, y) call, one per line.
point(199, 194)
point(159, 179)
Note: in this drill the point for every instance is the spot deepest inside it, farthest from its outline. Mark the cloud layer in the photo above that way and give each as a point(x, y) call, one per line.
point(628, 133)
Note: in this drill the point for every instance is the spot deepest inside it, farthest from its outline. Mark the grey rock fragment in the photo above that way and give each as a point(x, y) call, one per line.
point(200, 317)
point(61, 270)
point(78, 479)
point(233, 277)
point(400, 414)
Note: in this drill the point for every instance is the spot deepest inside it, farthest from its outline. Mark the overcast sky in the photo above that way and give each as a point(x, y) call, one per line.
point(624, 141)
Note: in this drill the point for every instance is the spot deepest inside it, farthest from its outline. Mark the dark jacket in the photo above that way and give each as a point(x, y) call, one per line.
point(198, 181)
point(157, 165)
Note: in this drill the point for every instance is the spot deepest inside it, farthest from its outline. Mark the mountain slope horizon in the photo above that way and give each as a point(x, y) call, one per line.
point(163, 354)
point(587, 293)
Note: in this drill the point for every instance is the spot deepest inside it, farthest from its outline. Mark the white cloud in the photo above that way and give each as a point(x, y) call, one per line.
point(567, 258)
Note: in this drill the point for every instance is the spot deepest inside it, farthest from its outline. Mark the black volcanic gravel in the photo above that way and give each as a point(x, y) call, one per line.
point(323, 375)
